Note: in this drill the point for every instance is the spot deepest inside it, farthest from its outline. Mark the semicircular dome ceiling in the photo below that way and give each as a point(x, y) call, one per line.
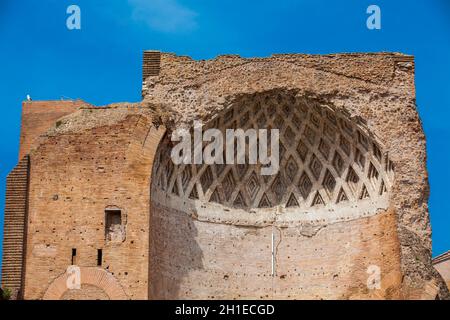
point(327, 161)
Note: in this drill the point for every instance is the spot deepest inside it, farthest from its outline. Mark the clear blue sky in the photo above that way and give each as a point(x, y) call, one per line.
point(101, 63)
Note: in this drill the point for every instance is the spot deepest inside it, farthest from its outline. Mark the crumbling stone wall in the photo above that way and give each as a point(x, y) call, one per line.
point(205, 260)
point(333, 175)
point(177, 243)
point(375, 89)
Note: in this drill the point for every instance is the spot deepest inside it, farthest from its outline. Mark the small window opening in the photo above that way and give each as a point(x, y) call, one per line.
point(74, 256)
point(114, 230)
point(99, 257)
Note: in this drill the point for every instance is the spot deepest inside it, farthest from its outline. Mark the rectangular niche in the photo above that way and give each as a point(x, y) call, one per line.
point(114, 225)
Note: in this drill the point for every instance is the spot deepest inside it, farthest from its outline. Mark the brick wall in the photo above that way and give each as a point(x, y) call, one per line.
point(16, 210)
point(203, 260)
point(86, 292)
point(151, 63)
point(442, 265)
point(74, 177)
point(38, 117)
point(151, 66)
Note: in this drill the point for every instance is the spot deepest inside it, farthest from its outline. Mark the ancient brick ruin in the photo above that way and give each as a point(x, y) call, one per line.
point(442, 264)
point(96, 187)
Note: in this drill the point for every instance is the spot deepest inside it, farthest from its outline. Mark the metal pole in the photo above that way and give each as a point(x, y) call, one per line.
point(273, 254)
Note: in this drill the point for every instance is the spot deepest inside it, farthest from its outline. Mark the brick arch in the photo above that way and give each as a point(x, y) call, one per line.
point(89, 276)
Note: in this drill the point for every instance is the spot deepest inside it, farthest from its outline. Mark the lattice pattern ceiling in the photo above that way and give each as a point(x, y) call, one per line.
point(325, 158)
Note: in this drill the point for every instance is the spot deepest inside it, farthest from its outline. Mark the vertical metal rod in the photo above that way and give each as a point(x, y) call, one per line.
point(273, 253)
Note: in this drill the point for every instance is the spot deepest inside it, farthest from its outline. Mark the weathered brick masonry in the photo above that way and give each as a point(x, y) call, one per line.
point(99, 190)
point(76, 175)
point(15, 230)
point(38, 117)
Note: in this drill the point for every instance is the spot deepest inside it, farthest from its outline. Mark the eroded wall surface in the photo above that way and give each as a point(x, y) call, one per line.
point(351, 193)
point(319, 227)
point(375, 90)
point(207, 260)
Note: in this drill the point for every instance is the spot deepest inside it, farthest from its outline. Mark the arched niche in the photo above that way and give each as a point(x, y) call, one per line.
point(95, 284)
point(211, 224)
point(331, 167)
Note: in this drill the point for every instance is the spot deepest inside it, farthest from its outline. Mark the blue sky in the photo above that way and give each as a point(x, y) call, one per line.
point(101, 62)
